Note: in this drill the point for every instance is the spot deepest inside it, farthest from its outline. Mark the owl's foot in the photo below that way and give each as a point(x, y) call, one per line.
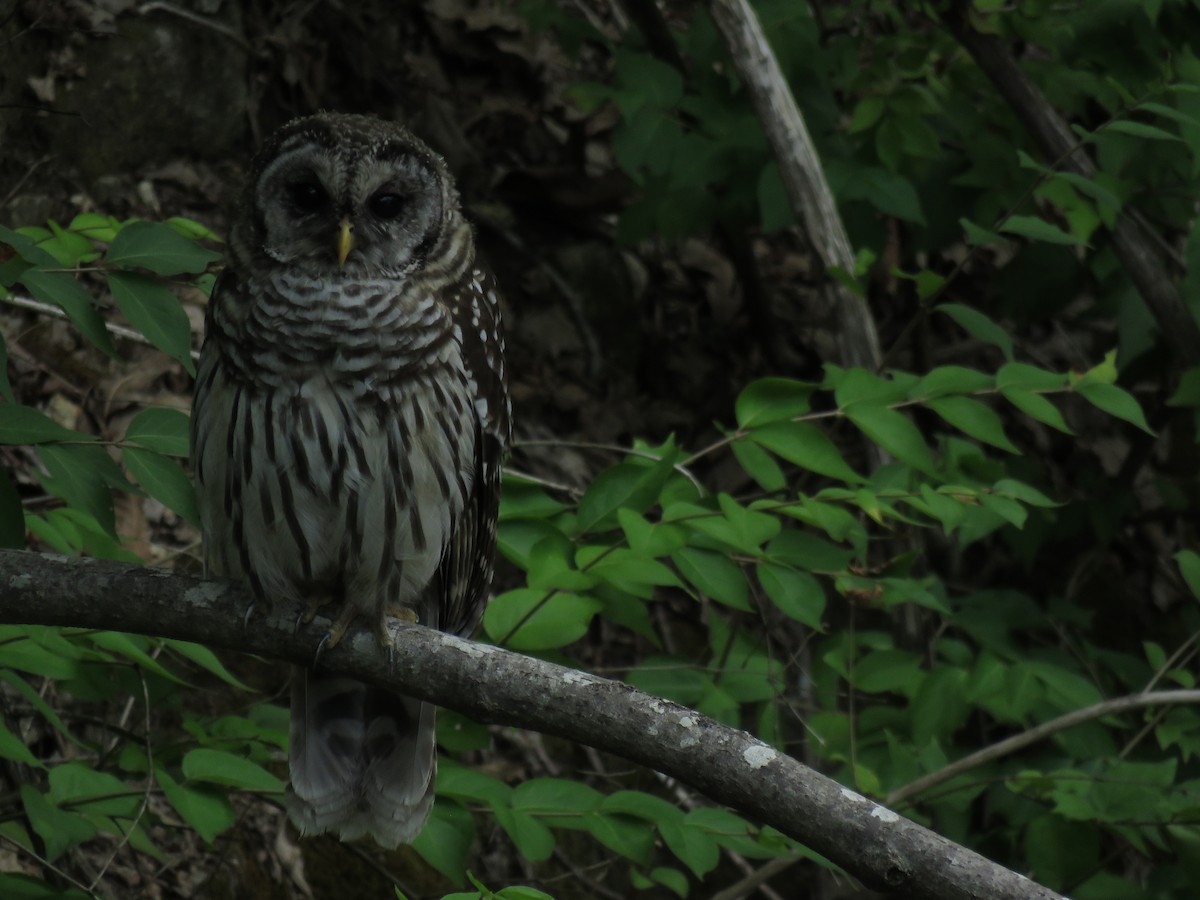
point(401, 613)
point(336, 632)
point(314, 606)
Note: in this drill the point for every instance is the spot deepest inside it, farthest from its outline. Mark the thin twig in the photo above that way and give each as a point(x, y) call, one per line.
point(1017, 742)
point(49, 309)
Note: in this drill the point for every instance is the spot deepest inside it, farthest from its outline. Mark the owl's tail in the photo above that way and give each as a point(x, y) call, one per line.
point(363, 760)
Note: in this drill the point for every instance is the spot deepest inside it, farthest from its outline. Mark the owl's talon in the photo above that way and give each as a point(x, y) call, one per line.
point(249, 612)
point(320, 646)
point(314, 606)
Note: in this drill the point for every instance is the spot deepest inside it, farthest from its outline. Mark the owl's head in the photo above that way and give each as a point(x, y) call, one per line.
point(345, 195)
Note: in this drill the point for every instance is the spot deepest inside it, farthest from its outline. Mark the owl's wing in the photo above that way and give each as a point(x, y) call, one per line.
point(465, 572)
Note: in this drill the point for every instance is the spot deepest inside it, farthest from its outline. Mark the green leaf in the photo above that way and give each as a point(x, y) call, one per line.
point(153, 310)
point(207, 810)
point(82, 475)
point(625, 835)
point(974, 419)
point(533, 839)
point(14, 748)
point(84, 789)
point(445, 840)
point(526, 619)
point(625, 570)
point(866, 113)
point(894, 432)
point(772, 400)
point(65, 292)
point(1036, 407)
point(632, 484)
point(1009, 510)
point(808, 552)
point(759, 465)
point(27, 248)
point(205, 659)
point(939, 706)
point(22, 648)
point(1037, 230)
point(891, 194)
point(807, 446)
point(59, 829)
point(854, 386)
point(1189, 567)
point(1030, 378)
point(25, 425)
point(556, 797)
point(95, 226)
point(160, 429)
point(650, 538)
point(715, 575)
point(978, 235)
point(797, 594)
point(1188, 392)
point(159, 248)
point(734, 526)
point(887, 671)
point(655, 82)
point(190, 228)
point(951, 380)
point(694, 846)
point(1025, 493)
point(230, 770)
point(1115, 401)
point(643, 806)
point(1142, 130)
point(134, 647)
point(164, 480)
point(466, 784)
point(979, 326)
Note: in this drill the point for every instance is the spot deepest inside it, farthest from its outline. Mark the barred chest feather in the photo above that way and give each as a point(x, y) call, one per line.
point(335, 444)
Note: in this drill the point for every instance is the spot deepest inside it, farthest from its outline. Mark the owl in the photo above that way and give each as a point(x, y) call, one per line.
point(349, 419)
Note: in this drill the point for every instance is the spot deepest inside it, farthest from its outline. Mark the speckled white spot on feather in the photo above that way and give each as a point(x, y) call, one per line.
point(758, 755)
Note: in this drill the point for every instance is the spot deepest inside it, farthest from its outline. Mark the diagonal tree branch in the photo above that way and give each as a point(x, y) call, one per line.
point(884, 850)
point(811, 198)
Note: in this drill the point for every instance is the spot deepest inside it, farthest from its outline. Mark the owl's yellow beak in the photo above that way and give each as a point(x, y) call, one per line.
point(345, 239)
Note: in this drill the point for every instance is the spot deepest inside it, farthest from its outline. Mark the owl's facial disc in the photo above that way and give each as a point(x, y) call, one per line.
point(347, 209)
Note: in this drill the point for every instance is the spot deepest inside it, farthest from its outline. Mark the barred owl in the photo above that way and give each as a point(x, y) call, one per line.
point(349, 418)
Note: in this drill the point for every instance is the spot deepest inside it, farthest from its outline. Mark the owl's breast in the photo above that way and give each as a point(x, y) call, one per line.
point(289, 327)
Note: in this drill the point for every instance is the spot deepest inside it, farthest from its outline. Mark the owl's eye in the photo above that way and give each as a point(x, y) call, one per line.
point(386, 205)
point(307, 196)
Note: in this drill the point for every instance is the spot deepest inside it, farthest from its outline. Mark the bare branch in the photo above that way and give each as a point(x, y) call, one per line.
point(809, 193)
point(884, 850)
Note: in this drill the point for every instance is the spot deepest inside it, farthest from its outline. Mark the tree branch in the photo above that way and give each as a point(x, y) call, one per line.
point(885, 851)
point(809, 193)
